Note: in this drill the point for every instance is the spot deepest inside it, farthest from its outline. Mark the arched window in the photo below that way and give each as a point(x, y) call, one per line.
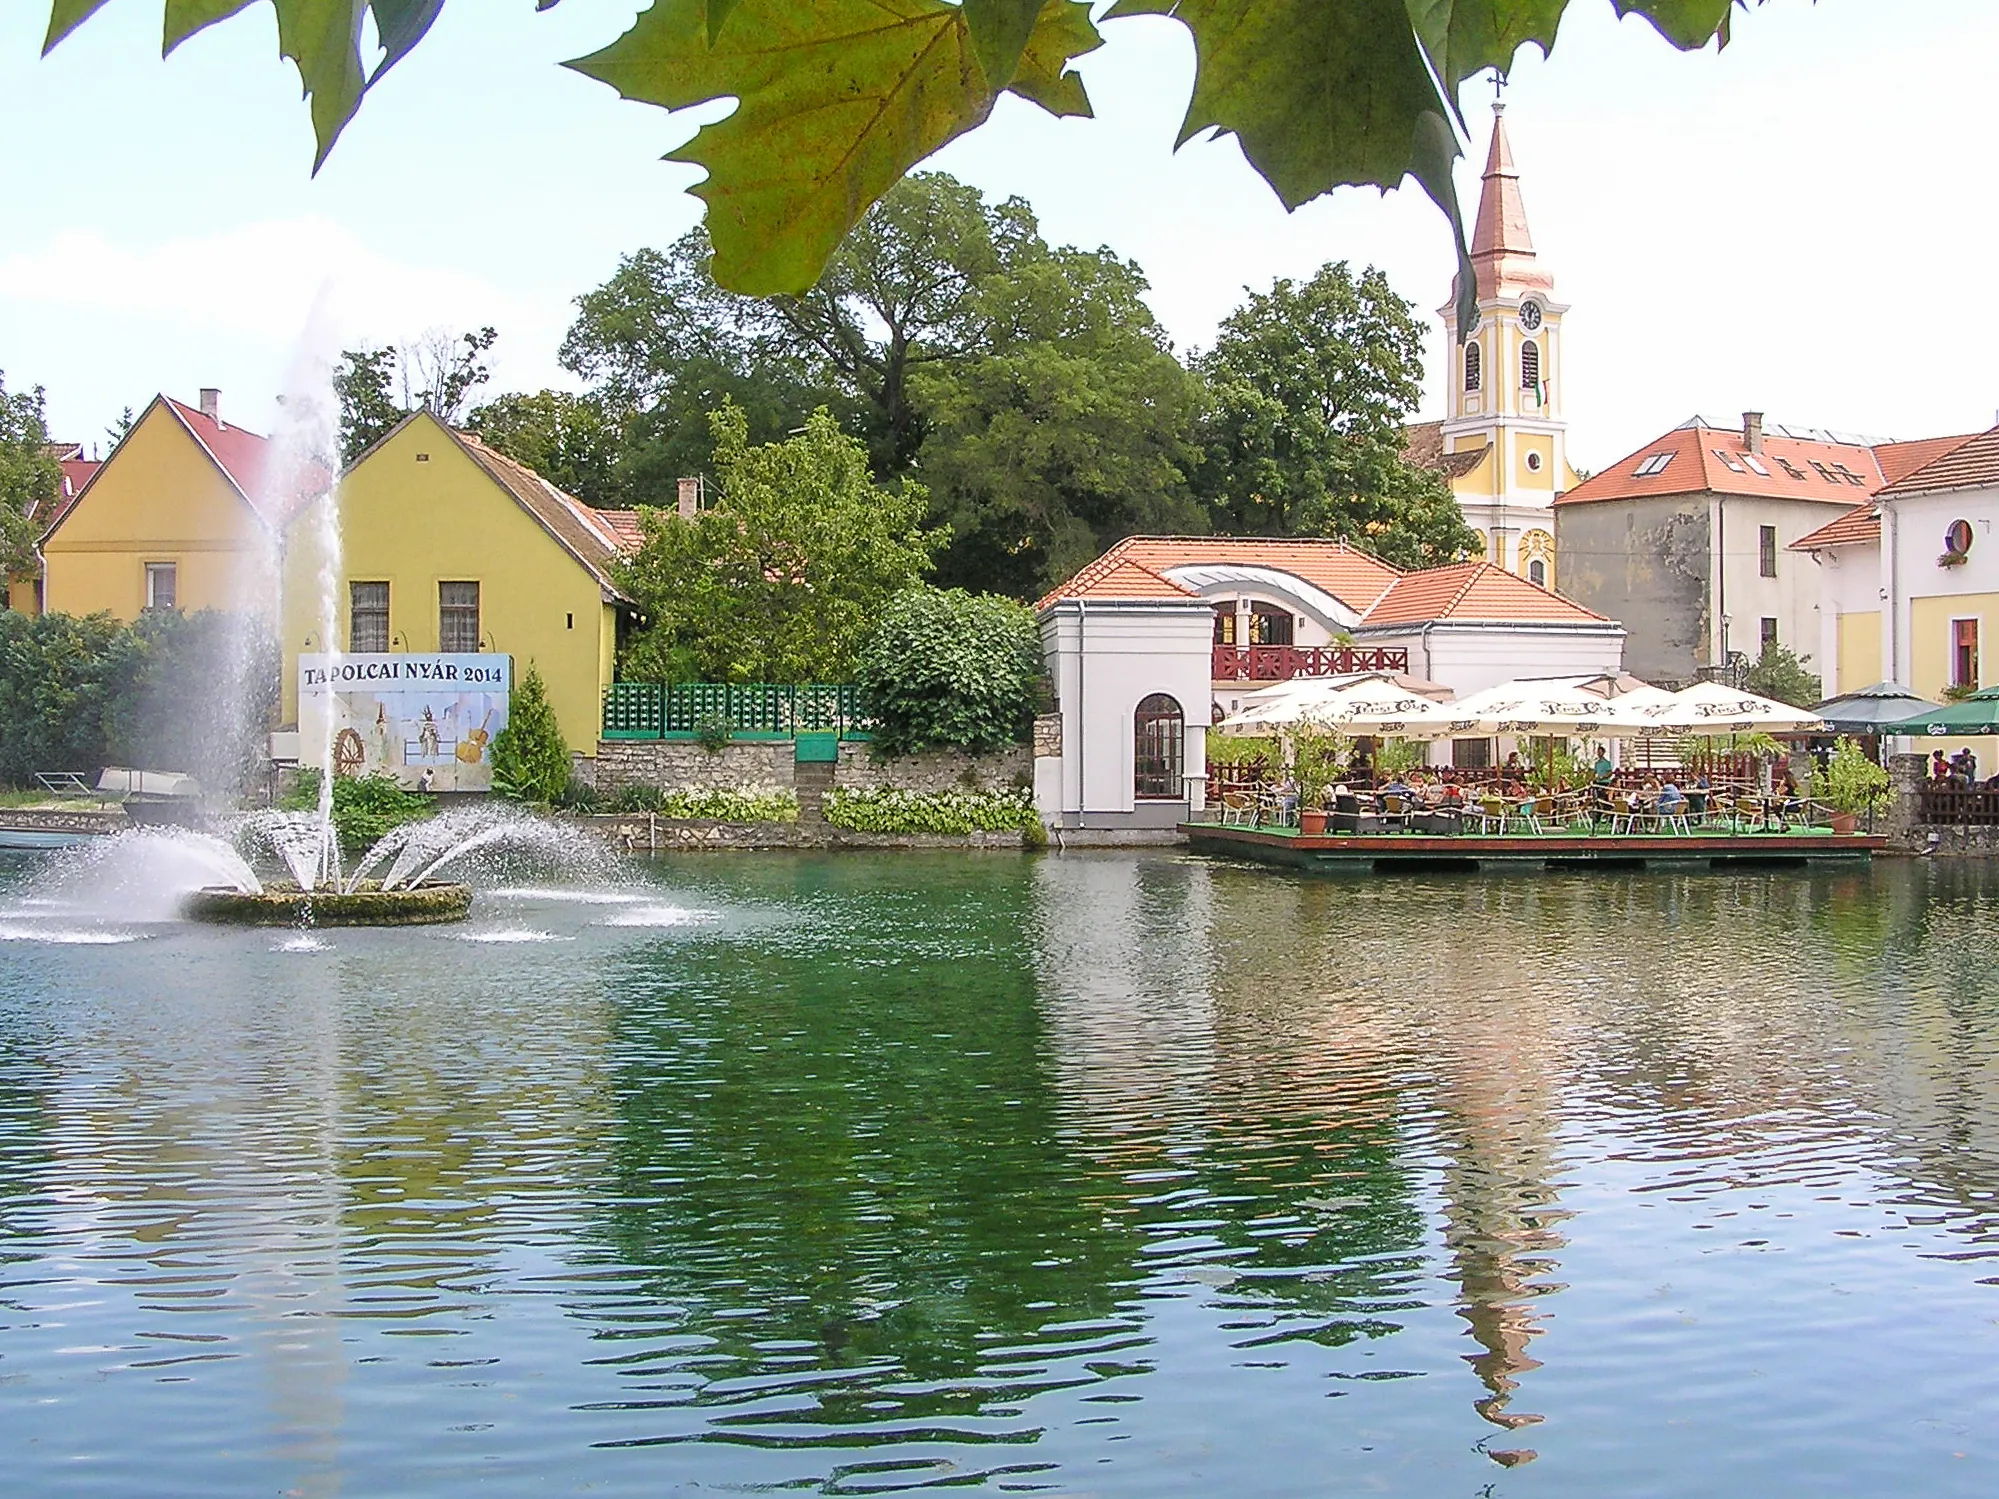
point(1530, 365)
point(1537, 573)
point(1471, 366)
point(1158, 731)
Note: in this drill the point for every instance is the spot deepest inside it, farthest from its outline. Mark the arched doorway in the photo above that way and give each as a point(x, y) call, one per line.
point(1159, 730)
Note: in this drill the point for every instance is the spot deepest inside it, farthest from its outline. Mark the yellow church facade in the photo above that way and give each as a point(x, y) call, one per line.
point(1503, 445)
point(447, 546)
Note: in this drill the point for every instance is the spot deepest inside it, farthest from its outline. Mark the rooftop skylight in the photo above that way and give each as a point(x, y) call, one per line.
point(1654, 463)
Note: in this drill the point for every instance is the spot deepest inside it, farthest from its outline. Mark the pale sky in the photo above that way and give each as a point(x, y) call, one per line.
point(1800, 225)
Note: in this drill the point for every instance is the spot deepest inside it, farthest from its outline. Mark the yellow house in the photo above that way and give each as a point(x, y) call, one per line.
point(180, 516)
point(449, 546)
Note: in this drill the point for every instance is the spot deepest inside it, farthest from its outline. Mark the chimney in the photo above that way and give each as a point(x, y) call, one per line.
point(211, 404)
point(1752, 431)
point(690, 498)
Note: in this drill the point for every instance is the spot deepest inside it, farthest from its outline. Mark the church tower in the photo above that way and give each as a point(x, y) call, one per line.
point(1506, 383)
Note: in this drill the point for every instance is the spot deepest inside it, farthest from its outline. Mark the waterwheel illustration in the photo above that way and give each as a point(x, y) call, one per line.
point(347, 753)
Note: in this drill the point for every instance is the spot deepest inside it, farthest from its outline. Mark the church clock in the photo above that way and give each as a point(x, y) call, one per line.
point(1530, 315)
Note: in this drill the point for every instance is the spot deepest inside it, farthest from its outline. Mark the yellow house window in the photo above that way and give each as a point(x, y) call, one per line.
point(458, 617)
point(1964, 653)
point(162, 585)
point(367, 617)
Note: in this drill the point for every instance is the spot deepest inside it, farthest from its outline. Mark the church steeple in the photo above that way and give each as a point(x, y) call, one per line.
point(1502, 248)
point(1506, 379)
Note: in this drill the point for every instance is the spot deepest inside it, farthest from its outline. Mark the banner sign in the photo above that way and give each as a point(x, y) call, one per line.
point(427, 720)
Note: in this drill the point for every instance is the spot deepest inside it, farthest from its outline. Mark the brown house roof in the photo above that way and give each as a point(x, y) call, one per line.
point(1354, 577)
point(1423, 446)
point(1860, 524)
point(585, 533)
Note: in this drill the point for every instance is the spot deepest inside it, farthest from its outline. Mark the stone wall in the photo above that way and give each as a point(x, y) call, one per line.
point(934, 770)
point(1903, 823)
point(681, 765)
point(640, 833)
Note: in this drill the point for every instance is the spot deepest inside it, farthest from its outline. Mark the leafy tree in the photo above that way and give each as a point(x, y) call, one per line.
point(1073, 432)
point(780, 580)
point(575, 442)
point(30, 479)
point(1317, 95)
point(530, 756)
point(946, 669)
point(1311, 384)
point(377, 388)
point(1780, 674)
point(52, 693)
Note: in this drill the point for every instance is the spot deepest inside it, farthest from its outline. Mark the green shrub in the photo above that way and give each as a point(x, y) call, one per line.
point(719, 806)
point(946, 669)
point(712, 732)
point(530, 756)
point(364, 807)
point(1243, 750)
point(890, 811)
point(1851, 782)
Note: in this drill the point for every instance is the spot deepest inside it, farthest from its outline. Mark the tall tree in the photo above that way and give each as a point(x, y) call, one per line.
point(575, 442)
point(377, 388)
point(782, 577)
point(1073, 431)
point(30, 478)
point(1310, 386)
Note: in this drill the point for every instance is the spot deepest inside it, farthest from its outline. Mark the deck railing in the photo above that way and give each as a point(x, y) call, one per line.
point(1281, 663)
point(747, 710)
point(1951, 806)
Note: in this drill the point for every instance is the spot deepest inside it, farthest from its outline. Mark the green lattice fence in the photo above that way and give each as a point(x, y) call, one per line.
point(751, 710)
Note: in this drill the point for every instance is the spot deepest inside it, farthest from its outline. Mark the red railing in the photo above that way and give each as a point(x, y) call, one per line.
point(1280, 663)
point(1948, 806)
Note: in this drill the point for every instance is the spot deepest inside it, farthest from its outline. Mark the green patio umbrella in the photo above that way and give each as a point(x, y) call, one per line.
point(1977, 714)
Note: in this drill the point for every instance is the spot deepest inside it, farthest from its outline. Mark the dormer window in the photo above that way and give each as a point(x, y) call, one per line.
point(1471, 367)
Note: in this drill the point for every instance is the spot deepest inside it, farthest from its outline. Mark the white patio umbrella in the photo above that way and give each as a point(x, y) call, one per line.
point(1355, 705)
point(1556, 707)
point(1711, 708)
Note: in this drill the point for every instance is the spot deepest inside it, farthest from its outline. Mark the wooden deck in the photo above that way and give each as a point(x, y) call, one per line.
point(1391, 852)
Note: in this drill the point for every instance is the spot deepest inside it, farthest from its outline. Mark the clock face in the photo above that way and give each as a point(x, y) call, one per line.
point(1530, 314)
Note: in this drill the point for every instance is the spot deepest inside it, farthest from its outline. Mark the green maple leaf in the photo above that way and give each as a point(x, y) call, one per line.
point(836, 100)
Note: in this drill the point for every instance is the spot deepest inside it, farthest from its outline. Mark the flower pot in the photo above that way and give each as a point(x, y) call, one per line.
point(1846, 822)
point(1312, 824)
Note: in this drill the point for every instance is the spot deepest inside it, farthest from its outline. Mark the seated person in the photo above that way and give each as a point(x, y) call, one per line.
point(1939, 767)
point(1513, 770)
point(1697, 795)
point(1451, 794)
point(1671, 802)
point(1396, 786)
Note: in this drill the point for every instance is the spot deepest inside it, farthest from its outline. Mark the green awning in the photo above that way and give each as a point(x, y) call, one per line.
point(1977, 714)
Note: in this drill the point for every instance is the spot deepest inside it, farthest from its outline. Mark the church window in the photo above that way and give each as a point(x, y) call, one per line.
point(1655, 463)
point(1537, 573)
point(1530, 365)
point(1755, 464)
point(1471, 367)
point(1533, 463)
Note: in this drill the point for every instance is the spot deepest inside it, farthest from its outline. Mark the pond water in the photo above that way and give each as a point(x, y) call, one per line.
point(1082, 1175)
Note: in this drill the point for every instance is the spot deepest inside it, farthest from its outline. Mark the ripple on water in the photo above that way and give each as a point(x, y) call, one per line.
point(66, 936)
point(506, 934)
point(661, 916)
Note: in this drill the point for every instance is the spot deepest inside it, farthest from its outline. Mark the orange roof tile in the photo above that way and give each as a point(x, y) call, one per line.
point(1860, 524)
point(1697, 458)
point(1115, 575)
point(1972, 464)
point(1474, 591)
point(624, 525)
point(1354, 577)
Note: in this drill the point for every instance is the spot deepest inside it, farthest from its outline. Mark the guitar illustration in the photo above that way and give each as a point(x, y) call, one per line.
point(473, 746)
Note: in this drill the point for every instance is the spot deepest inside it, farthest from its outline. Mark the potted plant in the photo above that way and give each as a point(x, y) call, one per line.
point(1852, 784)
point(1319, 757)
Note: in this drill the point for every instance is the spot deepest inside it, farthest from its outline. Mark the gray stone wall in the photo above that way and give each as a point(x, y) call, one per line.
point(638, 833)
point(934, 770)
point(1903, 823)
point(681, 765)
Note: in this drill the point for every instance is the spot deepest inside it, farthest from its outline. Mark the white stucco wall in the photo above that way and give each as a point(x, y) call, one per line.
point(1105, 657)
point(1849, 582)
point(1743, 594)
point(1912, 538)
point(1469, 658)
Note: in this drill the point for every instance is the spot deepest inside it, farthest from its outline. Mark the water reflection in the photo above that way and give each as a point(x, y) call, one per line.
point(1093, 1174)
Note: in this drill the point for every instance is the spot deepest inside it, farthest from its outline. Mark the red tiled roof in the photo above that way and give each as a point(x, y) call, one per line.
point(1354, 577)
point(76, 472)
point(1898, 460)
point(1116, 576)
point(1474, 591)
point(244, 456)
point(1972, 464)
point(1703, 459)
point(1860, 524)
point(623, 525)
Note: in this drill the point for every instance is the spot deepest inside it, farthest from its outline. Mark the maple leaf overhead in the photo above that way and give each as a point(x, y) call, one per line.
point(836, 100)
